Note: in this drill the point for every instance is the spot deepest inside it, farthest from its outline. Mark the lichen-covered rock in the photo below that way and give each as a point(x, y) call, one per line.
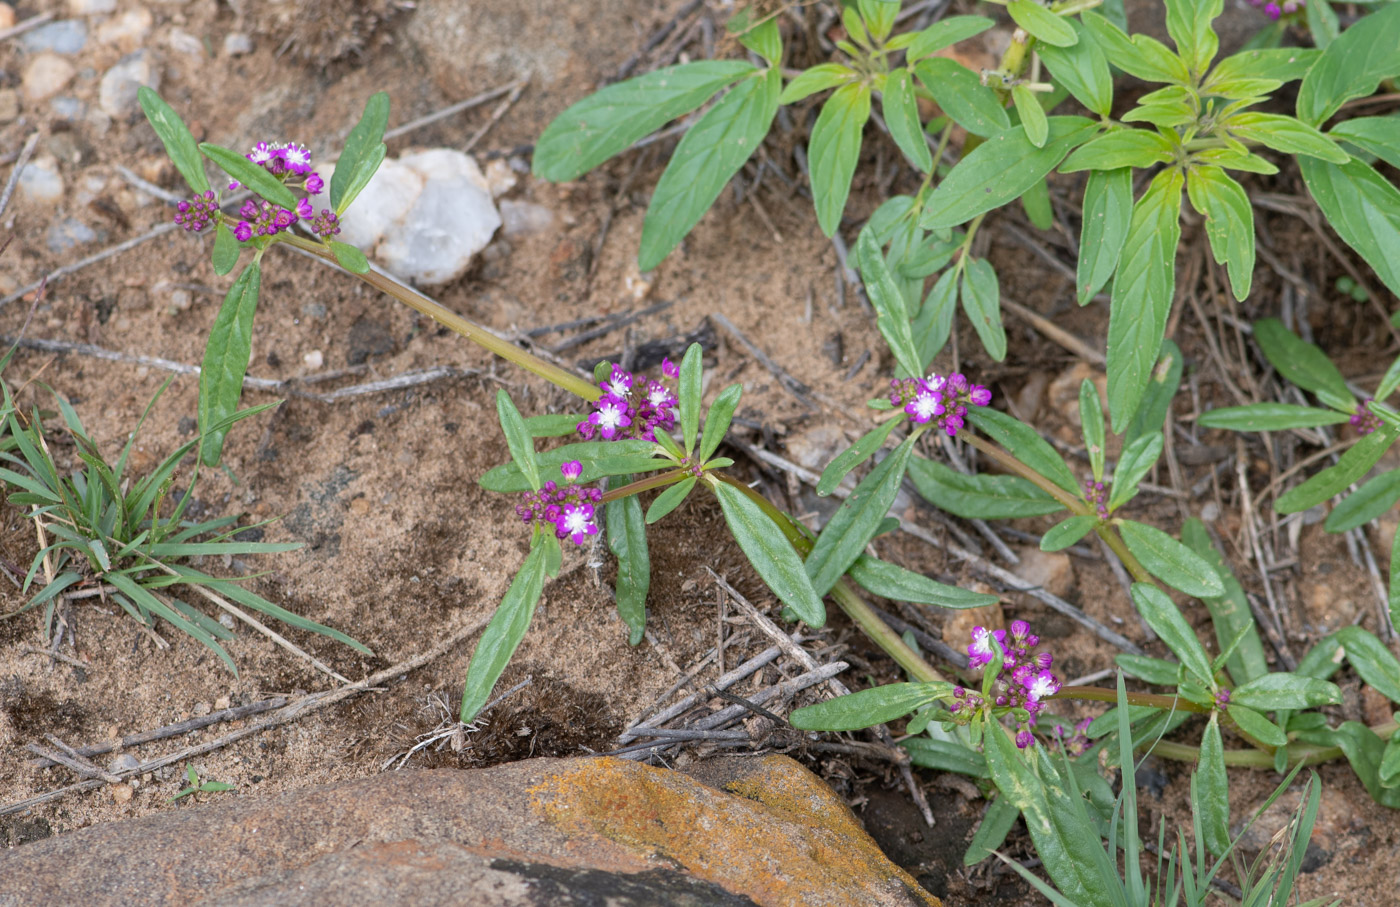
point(732, 832)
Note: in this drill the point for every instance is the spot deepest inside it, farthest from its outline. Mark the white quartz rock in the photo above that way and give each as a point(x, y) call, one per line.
point(422, 217)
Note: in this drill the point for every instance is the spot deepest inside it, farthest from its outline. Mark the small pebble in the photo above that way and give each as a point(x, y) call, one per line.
point(67, 36)
point(121, 793)
point(314, 359)
point(183, 42)
point(45, 76)
point(202, 708)
point(123, 763)
point(67, 234)
point(1210, 512)
point(499, 177)
point(227, 620)
point(126, 31)
point(40, 180)
point(7, 16)
point(117, 92)
point(91, 7)
point(236, 44)
point(67, 108)
point(222, 703)
point(180, 301)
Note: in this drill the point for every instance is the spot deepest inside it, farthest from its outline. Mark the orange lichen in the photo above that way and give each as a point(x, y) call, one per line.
point(781, 837)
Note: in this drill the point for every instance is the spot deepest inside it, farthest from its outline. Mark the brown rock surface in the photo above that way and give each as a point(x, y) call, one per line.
point(585, 831)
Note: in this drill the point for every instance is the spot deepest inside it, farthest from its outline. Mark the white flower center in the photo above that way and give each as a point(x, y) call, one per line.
point(576, 522)
point(926, 405)
point(609, 417)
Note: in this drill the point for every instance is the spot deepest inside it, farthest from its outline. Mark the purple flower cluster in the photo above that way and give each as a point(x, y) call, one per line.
point(1274, 10)
point(1363, 420)
point(1097, 495)
point(1222, 699)
point(290, 163)
point(633, 406)
point(1023, 679)
point(938, 399)
point(194, 215)
point(1078, 742)
point(569, 507)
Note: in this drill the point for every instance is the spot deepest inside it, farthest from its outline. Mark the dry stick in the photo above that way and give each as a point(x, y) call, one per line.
point(614, 322)
point(20, 164)
point(980, 525)
point(451, 109)
point(724, 682)
point(1054, 332)
point(54, 275)
point(57, 656)
point(496, 114)
point(655, 40)
point(783, 690)
point(176, 729)
point(802, 392)
point(84, 768)
point(303, 706)
point(26, 25)
point(685, 679)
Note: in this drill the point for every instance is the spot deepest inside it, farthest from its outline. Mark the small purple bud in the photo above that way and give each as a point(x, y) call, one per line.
point(571, 470)
point(314, 184)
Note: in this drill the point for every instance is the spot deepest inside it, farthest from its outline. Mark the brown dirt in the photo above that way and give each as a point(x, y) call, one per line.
point(402, 548)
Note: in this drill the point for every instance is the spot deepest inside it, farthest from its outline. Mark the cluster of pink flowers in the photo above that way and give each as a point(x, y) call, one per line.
point(568, 507)
point(1023, 678)
point(1363, 420)
point(938, 399)
point(1095, 493)
point(197, 213)
point(1274, 10)
point(290, 163)
point(633, 406)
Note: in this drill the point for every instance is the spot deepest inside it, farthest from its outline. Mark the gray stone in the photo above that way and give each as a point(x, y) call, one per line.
point(91, 7)
point(41, 181)
point(522, 218)
point(126, 31)
point(69, 233)
point(123, 763)
point(117, 93)
point(236, 44)
point(67, 108)
point(66, 36)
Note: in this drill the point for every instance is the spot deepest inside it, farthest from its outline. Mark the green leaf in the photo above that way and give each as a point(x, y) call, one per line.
point(1285, 134)
point(1229, 612)
point(1366, 503)
point(1378, 135)
point(1372, 660)
point(989, 497)
point(1364, 750)
point(1141, 56)
point(670, 499)
point(772, 557)
point(1036, 203)
point(818, 78)
point(834, 150)
point(518, 440)
point(1301, 362)
point(226, 355)
point(627, 540)
point(709, 154)
point(1389, 381)
point(891, 316)
point(1028, 446)
point(1268, 417)
point(350, 258)
point(1281, 690)
point(1189, 24)
point(879, 16)
point(1108, 209)
point(1394, 586)
point(764, 39)
point(1152, 412)
point(898, 584)
point(1157, 671)
point(1281, 64)
point(1067, 532)
point(1041, 23)
point(1352, 66)
point(855, 522)
point(226, 249)
point(991, 833)
point(1171, 562)
point(1389, 772)
point(1211, 803)
point(1121, 147)
point(945, 33)
point(960, 93)
point(1082, 70)
point(1142, 294)
point(1032, 115)
point(609, 121)
point(505, 631)
point(999, 170)
point(717, 420)
point(1229, 223)
point(981, 300)
point(689, 391)
point(1352, 465)
point(1091, 422)
point(868, 708)
point(1165, 619)
point(1363, 207)
point(1257, 726)
point(599, 458)
point(945, 756)
point(1134, 462)
point(362, 154)
point(553, 425)
point(175, 136)
point(935, 322)
point(902, 118)
point(854, 455)
point(250, 175)
point(1322, 23)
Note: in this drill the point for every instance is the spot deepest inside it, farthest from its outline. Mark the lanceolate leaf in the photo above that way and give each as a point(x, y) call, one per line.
point(996, 824)
point(772, 557)
point(945, 33)
point(999, 170)
point(1352, 66)
point(1366, 503)
point(1257, 726)
point(1043, 24)
point(1117, 148)
point(1283, 64)
point(1378, 135)
point(1030, 447)
point(225, 363)
point(834, 150)
point(856, 521)
point(855, 455)
point(1142, 294)
point(176, 137)
point(1133, 463)
point(1189, 24)
point(711, 152)
point(1229, 223)
point(961, 94)
point(1108, 208)
point(225, 255)
point(981, 300)
point(898, 584)
point(1352, 465)
point(1165, 619)
point(1282, 690)
point(1301, 362)
point(507, 628)
point(902, 118)
point(250, 175)
point(599, 458)
point(1285, 134)
point(1032, 115)
point(627, 540)
point(818, 78)
point(717, 420)
point(1372, 660)
point(1212, 803)
point(362, 152)
point(867, 708)
point(1083, 70)
point(689, 390)
point(1362, 206)
point(1268, 417)
point(1229, 612)
point(891, 317)
point(1170, 561)
point(609, 121)
point(945, 756)
point(670, 499)
point(1141, 56)
point(992, 497)
point(1151, 416)
point(1067, 532)
point(935, 322)
point(1091, 423)
point(522, 447)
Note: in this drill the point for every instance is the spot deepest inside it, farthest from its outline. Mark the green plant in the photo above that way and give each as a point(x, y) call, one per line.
point(196, 786)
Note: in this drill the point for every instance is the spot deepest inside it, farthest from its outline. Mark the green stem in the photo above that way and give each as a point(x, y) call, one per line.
point(1156, 700)
point(844, 595)
point(449, 319)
